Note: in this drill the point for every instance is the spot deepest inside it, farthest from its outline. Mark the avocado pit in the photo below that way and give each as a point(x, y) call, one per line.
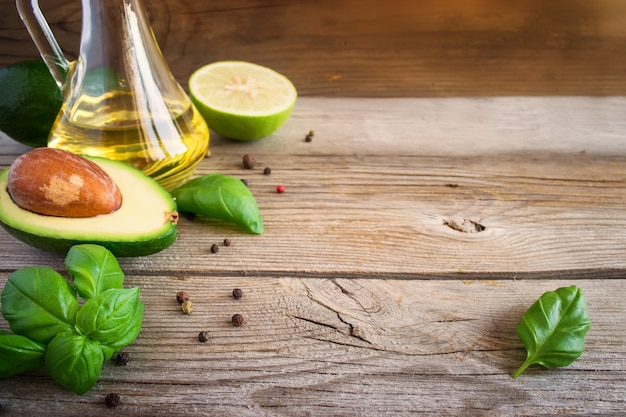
point(55, 182)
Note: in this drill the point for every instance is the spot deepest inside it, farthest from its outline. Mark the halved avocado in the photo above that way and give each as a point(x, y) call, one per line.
point(143, 225)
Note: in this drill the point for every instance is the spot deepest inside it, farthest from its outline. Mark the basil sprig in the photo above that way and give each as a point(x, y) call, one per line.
point(220, 197)
point(553, 329)
point(52, 330)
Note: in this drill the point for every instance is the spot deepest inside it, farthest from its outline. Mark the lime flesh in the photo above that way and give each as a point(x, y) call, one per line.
point(241, 100)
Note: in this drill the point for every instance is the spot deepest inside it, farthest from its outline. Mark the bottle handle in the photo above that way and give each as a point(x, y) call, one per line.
point(42, 36)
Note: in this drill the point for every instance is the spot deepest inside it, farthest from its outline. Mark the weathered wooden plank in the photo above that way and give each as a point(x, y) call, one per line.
point(381, 193)
point(368, 48)
point(330, 329)
point(346, 347)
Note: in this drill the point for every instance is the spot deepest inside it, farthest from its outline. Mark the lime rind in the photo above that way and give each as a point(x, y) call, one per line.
point(242, 127)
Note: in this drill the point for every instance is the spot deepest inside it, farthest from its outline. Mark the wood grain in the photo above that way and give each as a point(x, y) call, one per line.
point(415, 230)
point(366, 48)
point(345, 347)
point(373, 291)
point(377, 191)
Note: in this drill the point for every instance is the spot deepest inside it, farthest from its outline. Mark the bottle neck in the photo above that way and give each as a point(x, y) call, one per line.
point(118, 46)
point(111, 29)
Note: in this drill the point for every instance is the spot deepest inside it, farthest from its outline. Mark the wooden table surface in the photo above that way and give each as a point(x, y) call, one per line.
point(362, 297)
point(430, 210)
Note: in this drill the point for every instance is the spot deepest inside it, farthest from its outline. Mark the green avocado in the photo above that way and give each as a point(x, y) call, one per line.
point(29, 103)
point(143, 225)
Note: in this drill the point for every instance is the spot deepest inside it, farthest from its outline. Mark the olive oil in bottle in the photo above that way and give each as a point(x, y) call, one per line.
point(167, 145)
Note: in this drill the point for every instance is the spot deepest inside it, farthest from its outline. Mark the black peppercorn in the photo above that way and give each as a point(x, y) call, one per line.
point(181, 297)
point(245, 182)
point(249, 161)
point(227, 242)
point(112, 400)
point(237, 293)
point(123, 358)
point(214, 248)
point(267, 171)
point(203, 336)
point(237, 320)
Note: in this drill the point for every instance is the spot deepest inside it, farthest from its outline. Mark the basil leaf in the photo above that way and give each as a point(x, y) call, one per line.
point(113, 318)
point(553, 329)
point(107, 352)
point(74, 361)
point(18, 354)
point(93, 270)
point(39, 303)
point(134, 327)
point(220, 197)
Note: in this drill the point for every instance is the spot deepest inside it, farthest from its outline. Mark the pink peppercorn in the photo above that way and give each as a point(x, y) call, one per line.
point(280, 189)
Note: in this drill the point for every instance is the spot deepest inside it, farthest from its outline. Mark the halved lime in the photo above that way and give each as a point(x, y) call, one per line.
point(241, 100)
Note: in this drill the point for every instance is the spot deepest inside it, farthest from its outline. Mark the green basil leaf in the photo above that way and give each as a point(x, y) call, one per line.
point(108, 352)
point(74, 361)
point(39, 303)
point(220, 197)
point(113, 318)
point(553, 329)
point(134, 327)
point(93, 269)
point(18, 354)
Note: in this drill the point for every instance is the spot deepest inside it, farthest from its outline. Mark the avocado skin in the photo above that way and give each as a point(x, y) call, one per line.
point(119, 249)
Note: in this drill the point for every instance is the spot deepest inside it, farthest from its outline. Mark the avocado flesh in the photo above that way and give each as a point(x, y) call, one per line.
point(141, 226)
